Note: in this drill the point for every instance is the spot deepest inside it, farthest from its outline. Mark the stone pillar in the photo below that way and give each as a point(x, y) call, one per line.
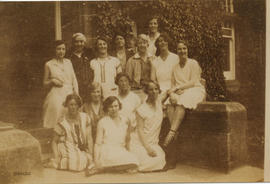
point(214, 136)
point(20, 154)
point(58, 27)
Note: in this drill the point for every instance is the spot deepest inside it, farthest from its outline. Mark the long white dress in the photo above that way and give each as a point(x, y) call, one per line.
point(53, 105)
point(163, 70)
point(105, 71)
point(190, 96)
point(112, 149)
point(152, 125)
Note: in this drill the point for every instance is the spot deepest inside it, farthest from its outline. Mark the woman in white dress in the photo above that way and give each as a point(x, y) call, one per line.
point(110, 151)
point(186, 93)
point(129, 100)
point(60, 77)
point(105, 68)
point(145, 139)
point(163, 65)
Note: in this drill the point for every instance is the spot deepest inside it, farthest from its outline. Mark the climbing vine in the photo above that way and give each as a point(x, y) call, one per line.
point(198, 22)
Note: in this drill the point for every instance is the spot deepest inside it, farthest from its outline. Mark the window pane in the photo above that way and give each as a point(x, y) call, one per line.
point(227, 55)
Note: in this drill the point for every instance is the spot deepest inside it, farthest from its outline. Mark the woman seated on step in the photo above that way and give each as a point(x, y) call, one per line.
point(72, 143)
point(186, 92)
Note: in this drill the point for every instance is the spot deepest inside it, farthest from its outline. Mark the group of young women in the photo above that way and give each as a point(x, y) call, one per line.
point(109, 112)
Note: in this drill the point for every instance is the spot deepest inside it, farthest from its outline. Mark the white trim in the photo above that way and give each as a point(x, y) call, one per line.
point(230, 75)
point(58, 29)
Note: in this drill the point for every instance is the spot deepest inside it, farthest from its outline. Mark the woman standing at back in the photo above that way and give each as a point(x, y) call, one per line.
point(59, 76)
point(153, 35)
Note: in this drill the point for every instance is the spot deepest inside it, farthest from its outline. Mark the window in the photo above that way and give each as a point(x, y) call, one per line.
point(228, 33)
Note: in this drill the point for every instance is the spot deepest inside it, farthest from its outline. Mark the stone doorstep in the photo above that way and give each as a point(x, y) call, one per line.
point(44, 136)
point(19, 154)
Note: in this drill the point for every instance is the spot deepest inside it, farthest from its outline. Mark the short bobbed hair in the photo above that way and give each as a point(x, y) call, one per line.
point(119, 76)
point(166, 38)
point(109, 101)
point(75, 97)
point(146, 86)
point(103, 38)
point(155, 17)
point(182, 42)
point(58, 42)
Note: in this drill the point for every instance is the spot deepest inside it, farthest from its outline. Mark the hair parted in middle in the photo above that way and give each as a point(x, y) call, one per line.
point(75, 97)
point(146, 86)
point(166, 38)
point(119, 76)
point(109, 101)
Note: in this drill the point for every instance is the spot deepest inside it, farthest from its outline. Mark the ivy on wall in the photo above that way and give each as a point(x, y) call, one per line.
point(198, 22)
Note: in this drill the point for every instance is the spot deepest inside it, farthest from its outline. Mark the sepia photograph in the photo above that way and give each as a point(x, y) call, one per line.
point(149, 91)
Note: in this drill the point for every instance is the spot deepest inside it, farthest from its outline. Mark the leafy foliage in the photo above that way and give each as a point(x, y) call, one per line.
point(196, 21)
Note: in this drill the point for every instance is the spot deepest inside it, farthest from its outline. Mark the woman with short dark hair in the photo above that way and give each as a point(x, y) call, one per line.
point(72, 143)
point(163, 65)
point(186, 92)
point(59, 76)
point(110, 152)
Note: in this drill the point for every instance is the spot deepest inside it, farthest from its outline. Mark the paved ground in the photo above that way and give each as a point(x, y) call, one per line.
point(182, 173)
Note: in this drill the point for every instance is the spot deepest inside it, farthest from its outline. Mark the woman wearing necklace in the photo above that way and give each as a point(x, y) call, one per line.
point(145, 140)
point(163, 65)
point(110, 151)
point(72, 144)
point(59, 76)
point(186, 93)
point(105, 68)
point(93, 106)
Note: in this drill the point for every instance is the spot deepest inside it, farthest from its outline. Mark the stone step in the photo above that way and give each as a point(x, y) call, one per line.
point(44, 136)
